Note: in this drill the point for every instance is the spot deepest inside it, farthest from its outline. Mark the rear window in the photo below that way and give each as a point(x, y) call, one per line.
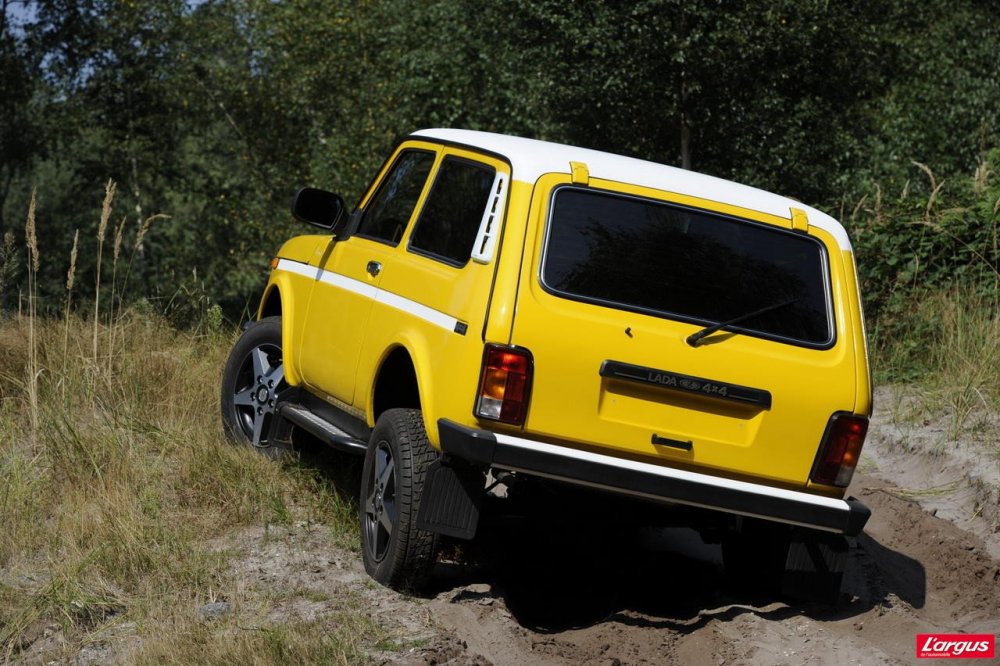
point(686, 264)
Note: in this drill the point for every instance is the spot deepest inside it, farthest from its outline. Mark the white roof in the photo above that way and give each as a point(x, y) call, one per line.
point(530, 159)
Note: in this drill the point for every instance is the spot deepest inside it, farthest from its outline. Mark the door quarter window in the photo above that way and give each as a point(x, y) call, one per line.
point(389, 211)
point(450, 219)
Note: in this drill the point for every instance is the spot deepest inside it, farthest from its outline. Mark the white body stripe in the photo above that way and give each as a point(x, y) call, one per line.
point(669, 473)
point(329, 277)
point(395, 301)
point(417, 310)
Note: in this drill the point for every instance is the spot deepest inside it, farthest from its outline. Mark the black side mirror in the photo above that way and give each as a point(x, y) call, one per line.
point(318, 207)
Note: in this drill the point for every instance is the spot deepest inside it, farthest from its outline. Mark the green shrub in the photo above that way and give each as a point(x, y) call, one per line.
point(933, 243)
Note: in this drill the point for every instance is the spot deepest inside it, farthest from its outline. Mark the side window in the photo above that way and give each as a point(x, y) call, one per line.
point(390, 209)
point(450, 218)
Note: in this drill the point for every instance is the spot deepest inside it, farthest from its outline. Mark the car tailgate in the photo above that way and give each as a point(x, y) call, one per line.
point(618, 380)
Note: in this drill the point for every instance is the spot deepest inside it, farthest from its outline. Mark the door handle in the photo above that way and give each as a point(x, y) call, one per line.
point(374, 268)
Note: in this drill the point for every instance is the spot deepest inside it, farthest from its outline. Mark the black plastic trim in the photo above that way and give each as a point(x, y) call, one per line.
point(685, 445)
point(349, 423)
point(319, 427)
point(482, 447)
point(331, 425)
point(451, 500)
point(708, 388)
point(858, 517)
point(475, 446)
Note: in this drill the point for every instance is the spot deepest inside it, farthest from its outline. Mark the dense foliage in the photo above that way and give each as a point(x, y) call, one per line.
point(213, 112)
point(928, 249)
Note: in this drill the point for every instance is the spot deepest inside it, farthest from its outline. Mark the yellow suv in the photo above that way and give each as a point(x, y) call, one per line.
point(504, 309)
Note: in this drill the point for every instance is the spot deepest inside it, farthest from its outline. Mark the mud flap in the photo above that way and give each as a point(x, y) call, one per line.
point(814, 567)
point(452, 495)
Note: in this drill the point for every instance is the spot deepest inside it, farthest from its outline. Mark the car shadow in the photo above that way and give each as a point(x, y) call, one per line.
point(566, 572)
point(339, 472)
point(577, 565)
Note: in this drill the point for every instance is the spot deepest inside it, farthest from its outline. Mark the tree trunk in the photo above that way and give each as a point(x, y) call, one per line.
point(685, 127)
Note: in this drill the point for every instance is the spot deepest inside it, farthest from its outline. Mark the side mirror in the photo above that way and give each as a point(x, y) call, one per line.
point(318, 207)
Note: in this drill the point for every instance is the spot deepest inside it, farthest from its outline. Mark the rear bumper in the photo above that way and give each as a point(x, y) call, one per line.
point(654, 482)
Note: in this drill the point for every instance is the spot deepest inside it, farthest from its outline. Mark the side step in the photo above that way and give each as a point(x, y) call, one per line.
point(326, 431)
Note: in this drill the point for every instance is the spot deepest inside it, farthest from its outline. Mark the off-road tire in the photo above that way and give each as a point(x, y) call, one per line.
point(395, 552)
point(251, 380)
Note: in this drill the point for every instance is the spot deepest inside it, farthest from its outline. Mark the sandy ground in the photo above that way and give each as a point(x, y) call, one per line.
point(562, 594)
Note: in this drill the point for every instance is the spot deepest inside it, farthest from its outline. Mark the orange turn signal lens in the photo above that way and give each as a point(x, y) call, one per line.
point(840, 450)
point(504, 384)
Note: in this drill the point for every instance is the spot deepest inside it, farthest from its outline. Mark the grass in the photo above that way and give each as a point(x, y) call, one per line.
point(921, 493)
point(301, 643)
point(115, 485)
point(955, 335)
point(111, 508)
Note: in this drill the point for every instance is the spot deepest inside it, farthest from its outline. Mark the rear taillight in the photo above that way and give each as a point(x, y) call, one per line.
point(504, 384)
point(840, 449)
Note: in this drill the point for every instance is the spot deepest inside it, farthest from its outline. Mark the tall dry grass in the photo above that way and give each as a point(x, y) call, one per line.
point(116, 484)
point(960, 335)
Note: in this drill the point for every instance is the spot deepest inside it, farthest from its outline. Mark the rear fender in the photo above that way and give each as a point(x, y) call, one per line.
point(416, 346)
point(863, 402)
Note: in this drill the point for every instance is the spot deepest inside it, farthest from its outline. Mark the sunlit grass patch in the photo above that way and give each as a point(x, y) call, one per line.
point(955, 339)
point(115, 482)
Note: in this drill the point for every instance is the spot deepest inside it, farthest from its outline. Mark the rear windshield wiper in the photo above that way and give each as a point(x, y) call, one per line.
point(695, 338)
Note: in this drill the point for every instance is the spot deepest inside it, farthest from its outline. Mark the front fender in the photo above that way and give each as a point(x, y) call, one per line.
point(293, 309)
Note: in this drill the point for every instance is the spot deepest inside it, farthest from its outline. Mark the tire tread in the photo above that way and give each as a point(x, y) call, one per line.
point(413, 553)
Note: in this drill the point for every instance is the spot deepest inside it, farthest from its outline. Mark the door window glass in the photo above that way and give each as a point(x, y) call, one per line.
point(450, 219)
point(389, 211)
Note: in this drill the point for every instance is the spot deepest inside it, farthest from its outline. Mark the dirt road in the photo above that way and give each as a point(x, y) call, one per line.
point(656, 599)
point(665, 600)
point(565, 595)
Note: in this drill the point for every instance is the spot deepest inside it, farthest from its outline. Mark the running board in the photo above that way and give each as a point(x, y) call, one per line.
point(321, 428)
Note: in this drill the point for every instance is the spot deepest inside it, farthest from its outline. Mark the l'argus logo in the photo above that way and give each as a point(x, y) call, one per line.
point(956, 646)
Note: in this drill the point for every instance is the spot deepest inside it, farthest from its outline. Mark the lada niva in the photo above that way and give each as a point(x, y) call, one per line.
point(500, 308)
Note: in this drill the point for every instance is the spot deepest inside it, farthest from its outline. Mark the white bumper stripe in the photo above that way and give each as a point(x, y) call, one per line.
point(670, 473)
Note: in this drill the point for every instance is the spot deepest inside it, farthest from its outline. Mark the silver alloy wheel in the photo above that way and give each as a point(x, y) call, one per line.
point(260, 378)
point(380, 505)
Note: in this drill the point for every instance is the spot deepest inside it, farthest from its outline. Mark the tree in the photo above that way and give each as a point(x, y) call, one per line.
point(19, 140)
point(214, 112)
point(943, 107)
point(774, 94)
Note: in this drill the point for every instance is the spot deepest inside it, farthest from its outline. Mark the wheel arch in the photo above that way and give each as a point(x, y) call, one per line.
point(270, 304)
point(278, 301)
point(415, 348)
point(395, 384)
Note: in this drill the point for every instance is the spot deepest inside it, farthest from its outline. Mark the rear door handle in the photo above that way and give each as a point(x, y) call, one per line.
point(374, 268)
